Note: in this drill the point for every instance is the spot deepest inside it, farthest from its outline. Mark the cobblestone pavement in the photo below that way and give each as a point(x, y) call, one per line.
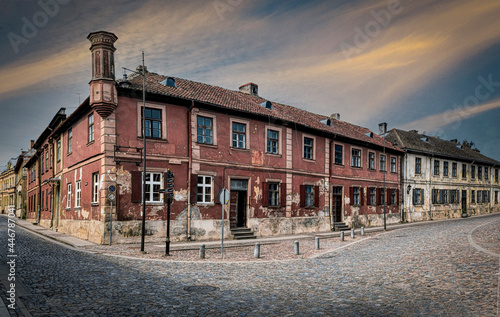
point(428, 270)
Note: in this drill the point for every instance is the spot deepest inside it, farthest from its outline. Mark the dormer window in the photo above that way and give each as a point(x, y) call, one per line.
point(169, 82)
point(328, 122)
point(267, 105)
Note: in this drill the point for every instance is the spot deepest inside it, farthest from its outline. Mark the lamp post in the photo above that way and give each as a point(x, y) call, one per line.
point(143, 191)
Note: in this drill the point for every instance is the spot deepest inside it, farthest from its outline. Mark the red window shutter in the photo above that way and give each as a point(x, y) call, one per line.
point(397, 196)
point(302, 195)
point(316, 196)
point(361, 195)
point(194, 188)
point(389, 196)
point(265, 194)
point(136, 186)
point(379, 196)
point(351, 195)
point(218, 185)
point(283, 194)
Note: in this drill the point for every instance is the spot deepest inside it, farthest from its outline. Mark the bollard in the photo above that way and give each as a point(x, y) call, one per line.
point(296, 248)
point(202, 251)
point(352, 233)
point(362, 231)
point(316, 243)
point(256, 251)
point(341, 235)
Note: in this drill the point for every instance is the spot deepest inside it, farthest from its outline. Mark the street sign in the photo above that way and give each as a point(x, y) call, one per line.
point(224, 196)
point(111, 188)
point(111, 197)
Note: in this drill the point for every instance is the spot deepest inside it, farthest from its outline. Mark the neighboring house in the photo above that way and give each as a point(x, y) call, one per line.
point(285, 168)
point(443, 179)
point(7, 186)
point(21, 182)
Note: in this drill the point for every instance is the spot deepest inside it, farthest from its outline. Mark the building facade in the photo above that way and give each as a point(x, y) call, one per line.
point(288, 170)
point(7, 186)
point(443, 179)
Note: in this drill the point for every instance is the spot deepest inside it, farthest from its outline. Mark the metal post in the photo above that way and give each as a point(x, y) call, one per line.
point(341, 235)
point(167, 242)
point(143, 234)
point(352, 233)
point(202, 251)
point(316, 243)
point(296, 248)
point(256, 251)
point(110, 222)
point(362, 231)
point(222, 238)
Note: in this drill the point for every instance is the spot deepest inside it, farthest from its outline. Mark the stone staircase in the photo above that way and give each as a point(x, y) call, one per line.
point(340, 226)
point(242, 233)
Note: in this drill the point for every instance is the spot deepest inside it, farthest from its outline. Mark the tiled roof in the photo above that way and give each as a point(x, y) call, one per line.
point(412, 140)
point(237, 100)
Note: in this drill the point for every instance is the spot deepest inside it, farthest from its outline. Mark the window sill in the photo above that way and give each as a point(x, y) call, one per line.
point(78, 208)
point(308, 160)
point(274, 154)
point(214, 146)
point(93, 204)
point(67, 209)
point(356, 166)
point(91, 142)
point(69, 153)
point(152, 139)
point(240, 149)
point(336, 164)
point(205, 204)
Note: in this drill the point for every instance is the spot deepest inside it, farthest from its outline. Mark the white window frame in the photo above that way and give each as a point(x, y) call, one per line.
point(91, 128)
point(152, 183)
point(395, 164)
point(313, 147)
point(383, 163)
point(280, 131)
point(68, 197)
point(360, 158)
point(247, 133)
point(95, 188)
point(163, 119)
point(78, 194)
point(204, 185)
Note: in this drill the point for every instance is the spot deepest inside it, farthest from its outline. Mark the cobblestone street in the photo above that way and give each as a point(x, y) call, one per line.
point(446, 268)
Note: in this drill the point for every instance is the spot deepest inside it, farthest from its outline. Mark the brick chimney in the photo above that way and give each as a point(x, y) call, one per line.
point(250, 89)
point(103, 95)
point(382, 128)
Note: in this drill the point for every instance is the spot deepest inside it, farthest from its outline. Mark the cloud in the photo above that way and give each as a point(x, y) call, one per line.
point(440, 120)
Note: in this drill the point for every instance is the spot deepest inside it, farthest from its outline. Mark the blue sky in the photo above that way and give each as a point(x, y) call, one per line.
point(424, 65)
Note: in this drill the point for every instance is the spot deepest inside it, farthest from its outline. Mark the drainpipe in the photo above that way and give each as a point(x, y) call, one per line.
point(190, 162)
point(39, 192)
point(330, 195)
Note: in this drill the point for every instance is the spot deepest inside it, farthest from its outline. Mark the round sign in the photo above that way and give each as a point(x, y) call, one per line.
point(111, 188)
point(111, 197)
point(224, 196)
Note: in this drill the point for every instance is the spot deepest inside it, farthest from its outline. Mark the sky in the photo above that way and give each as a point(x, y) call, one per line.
point(424, 65)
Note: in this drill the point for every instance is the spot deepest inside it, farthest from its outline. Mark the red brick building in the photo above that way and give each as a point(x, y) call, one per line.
point(285, 168)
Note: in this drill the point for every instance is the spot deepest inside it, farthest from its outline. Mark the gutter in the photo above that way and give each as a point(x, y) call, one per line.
point(330, 196)
point(190, 163)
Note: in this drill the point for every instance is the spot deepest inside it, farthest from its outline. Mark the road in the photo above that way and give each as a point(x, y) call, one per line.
point(433, 269)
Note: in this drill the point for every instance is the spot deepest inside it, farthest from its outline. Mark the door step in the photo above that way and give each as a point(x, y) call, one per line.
point(242, 233)
point(340, 226)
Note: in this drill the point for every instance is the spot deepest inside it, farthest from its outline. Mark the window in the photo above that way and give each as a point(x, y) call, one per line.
point(393, 165)
point(473, 196)
point(204, 189)
point(43, 163)
point(443, 196)
point(309, 190)
point(464, 171)
point(68, 197)
point(338, 154)
point(436, 167)
point(152, 123)
point(356, 158)
point(382, 196)
point(496, 175)
point(239, 135)
point(70, 140)
point(454, 169)
point(356, 196)
point(91, 128)
point(58, 150)
point(393, 196)
point(47, 160)
point(418, 165)
point(371, 160)
point(496, 197)
point(453, 194)
point(154, 182)
point(472, 172)
point(41, 199)
point(435, 196)
point(418, 196)
point(274, 197)
point(382, 163)
point(308, 148)
point(47, 199)
point(479, 196)
point(445, 168)
point(272, 142)
point(479, 172)
point(95, 187)
point(372, 196)
point(78, 193)
point(486, 176)
point(205, 130)
point(486, 196)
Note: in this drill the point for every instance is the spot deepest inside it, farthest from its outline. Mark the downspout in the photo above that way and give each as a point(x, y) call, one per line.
point(330, 195)
point(190, 162)
point(39, 192)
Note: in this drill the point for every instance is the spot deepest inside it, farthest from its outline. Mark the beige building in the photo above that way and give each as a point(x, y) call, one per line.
point(7, 186)
point(442, 179)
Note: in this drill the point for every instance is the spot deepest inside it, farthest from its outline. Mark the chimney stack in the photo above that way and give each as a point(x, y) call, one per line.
point(103, 95)
point(382, 128)
point(335, 116)
point(250, 89)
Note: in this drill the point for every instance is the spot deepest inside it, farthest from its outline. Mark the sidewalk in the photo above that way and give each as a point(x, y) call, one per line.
point(272, 248)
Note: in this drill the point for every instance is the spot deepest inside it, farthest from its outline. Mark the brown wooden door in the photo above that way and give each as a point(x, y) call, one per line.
point(233, 203)
point(337, 204)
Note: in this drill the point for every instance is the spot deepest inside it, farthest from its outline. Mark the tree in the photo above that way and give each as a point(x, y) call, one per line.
point(470, 145)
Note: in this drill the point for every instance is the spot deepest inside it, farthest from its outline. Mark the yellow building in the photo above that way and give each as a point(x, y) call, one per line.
point(7, 186)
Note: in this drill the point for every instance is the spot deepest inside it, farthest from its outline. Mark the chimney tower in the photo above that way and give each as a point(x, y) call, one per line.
point(103, 95)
